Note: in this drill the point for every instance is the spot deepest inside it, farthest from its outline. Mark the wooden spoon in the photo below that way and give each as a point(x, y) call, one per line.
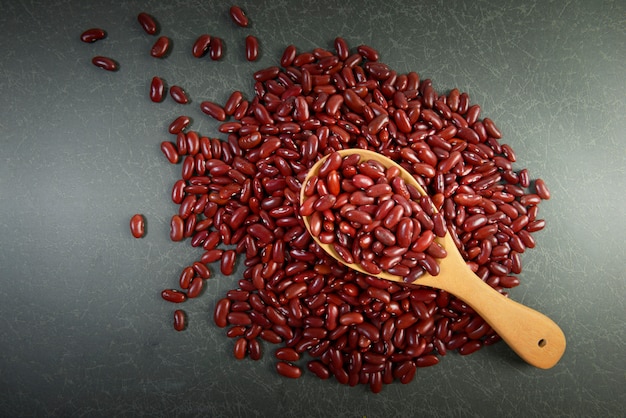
point(532, 335)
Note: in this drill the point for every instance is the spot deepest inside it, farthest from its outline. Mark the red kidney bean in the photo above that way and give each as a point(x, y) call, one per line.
point(148, 23)
point(161, 47)
point(179, 95)
point(214, 110)
point(177, 226)
point(541, 189)
point(180, 320)
point(201, 46)
point(186, 276)
point(252, 48)
point(227, 264)
point(137, 225)
point(92, 35)
point(238, 16)
point(240, 348)
point(288, 370)
point(216, 48)
point(368, 52)
point(157, 90)
point(179, 124)
point(173, 295)
point(105, 63)
point(195, 287)
point(220, 316)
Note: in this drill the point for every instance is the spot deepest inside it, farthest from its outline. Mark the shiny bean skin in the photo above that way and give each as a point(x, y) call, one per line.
point(214, 110)
point(105, 63)
point(173, 295)
point(288, 370)
point(179, 124)
point(92, 35)
point(252, 48)
point(148, 23)
point(216, 48)
point(201, 46)
point(137, 226)
point(177, 226)
point(238, 16)
point(157, 90)
point(161, 47)
point(180, 320)
point(541, 189)
point(227, 263)
point(179, 95)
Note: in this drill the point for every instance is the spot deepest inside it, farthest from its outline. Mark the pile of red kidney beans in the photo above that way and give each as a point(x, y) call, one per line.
point(238, 200)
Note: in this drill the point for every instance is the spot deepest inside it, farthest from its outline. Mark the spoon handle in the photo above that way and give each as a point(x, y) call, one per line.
point(532, 335)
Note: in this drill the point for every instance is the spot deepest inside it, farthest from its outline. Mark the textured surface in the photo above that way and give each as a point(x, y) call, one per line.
point(83, 329)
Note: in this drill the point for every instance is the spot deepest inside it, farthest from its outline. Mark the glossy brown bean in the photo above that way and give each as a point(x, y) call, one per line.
point(173, 295)
point(177, 225)
point(220, 314)
point(105, 63)
point(180, 320)
point(201, 46)
point(161, 47)
point(148, 23)
point(92, 35)
point(179, 124)
point(238, 16)
point(179, 95)
point(137, 225)
point(216, 48)
point(157, 90)
point(288, 370)
point(227, 263)
point(195, 288)
point(252, 48)
point(214, 110)
point(542, 189)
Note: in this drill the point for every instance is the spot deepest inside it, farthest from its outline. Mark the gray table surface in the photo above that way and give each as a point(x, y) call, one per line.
point(83, 329)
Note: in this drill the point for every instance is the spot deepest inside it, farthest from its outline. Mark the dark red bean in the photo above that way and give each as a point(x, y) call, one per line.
point(368, 52)
point(491, 128)
point(172, 295)
point(220, 315)
point(161, 47)
point(287, 354)
point(137, 226)
point(227, 263)
point(216, 48)
point(180, 320)
point(92, 35)
point(148, 23)
point(238, 16)
point(288, 370)
point(201, 46)
point(105, 63)
point(195, 287)
point(541, 189)
point(214, 110)
point(252, 48)
point(179, 124)
point(179, 95)
point(177, 226)
point(157, 90)
point(240, 349)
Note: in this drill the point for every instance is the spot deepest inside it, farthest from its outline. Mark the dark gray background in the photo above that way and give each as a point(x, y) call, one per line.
point(83, 329)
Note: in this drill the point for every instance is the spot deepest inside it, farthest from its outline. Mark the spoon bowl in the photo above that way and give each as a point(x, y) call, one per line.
point(532, 335)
